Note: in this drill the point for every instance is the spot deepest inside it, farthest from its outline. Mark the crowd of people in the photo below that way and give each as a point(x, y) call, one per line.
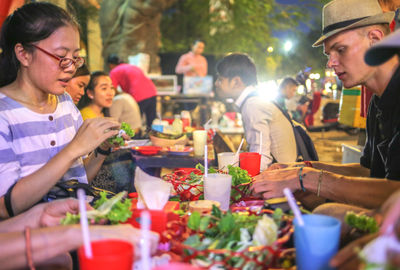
point(45, 138)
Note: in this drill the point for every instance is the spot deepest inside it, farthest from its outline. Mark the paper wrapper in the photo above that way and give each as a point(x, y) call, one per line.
point(153, 191)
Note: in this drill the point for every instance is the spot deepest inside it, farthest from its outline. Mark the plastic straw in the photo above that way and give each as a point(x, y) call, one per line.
point(84, 224)
point(260, 151)
point(207, 123)
point(205, 161)
point(145, 247)
point(240, 147)
point(293, 206)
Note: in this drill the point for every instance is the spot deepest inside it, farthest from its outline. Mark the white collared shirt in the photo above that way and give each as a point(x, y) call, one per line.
point(261, 115)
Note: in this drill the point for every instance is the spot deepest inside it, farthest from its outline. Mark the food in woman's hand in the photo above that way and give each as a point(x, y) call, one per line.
point(361, 222)
point(115, 210)
point(118, 139)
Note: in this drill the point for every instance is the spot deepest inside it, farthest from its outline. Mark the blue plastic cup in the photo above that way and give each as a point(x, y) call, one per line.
point(316, 242)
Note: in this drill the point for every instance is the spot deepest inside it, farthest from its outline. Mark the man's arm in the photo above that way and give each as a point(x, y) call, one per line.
point(183, 66)
point(359, 191)
point(350, 169)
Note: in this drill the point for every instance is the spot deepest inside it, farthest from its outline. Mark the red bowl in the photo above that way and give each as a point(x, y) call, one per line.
point(147, 150)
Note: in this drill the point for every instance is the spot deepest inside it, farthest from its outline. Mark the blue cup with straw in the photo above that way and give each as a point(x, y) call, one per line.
point(316, 238)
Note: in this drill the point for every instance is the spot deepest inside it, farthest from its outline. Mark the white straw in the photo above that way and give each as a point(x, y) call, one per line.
point(84, 224)
point(145, 241)
point(293, 206)
point(205, 161)
point(240, 147)
point(207, 123)
point(260, 151)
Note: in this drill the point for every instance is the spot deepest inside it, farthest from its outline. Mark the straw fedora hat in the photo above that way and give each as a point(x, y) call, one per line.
point(340, 15)
point(383, 50)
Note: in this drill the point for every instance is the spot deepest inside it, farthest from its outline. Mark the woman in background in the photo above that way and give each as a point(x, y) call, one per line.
point(76, 86)
point(98, 97)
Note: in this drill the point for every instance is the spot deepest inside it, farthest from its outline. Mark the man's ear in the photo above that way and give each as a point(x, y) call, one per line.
point(23, 56)
point(375, 35)
point(237, 82)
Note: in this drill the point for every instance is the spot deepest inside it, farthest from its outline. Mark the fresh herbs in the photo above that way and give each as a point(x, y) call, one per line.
point(114, 210)
point(361, 222)
point(230, 231)
point(118, 140)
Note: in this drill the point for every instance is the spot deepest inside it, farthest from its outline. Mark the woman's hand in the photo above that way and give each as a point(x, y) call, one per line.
point(91, 134)
point(280, 166)
point(124, 232)
point(271, 183)
point(391, 214)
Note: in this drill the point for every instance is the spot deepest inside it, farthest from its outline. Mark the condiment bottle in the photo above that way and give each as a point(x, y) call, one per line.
point(177, 125)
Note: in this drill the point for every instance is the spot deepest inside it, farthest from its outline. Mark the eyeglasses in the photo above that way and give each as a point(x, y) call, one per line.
point(64, 62)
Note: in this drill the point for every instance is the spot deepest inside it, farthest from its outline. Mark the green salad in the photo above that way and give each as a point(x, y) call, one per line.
point(114, 210)
point(125, 128)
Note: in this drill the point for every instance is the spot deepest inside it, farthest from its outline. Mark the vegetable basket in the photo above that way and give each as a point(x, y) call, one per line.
point(188, 185)
point(251, 258)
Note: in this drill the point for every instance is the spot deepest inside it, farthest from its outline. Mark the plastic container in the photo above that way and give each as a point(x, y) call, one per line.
point(177, 125)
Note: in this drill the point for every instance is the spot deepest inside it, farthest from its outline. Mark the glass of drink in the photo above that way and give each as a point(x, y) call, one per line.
point(217, 187)
point(227, 158)
point(107, 254)
point(199, 141)
point(250, 161)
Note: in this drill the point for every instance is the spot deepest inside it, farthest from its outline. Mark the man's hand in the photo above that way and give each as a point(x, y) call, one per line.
point(347, 257)
point(271, 183)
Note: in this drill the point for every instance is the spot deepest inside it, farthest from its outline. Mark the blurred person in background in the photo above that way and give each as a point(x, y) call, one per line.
point(133, 81)
point(125, 109)
point(98, 97)
point(193, 64)
point(76, 86)
point(237, 79)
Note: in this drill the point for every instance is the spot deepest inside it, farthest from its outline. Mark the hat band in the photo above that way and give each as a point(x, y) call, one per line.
point(338, 25)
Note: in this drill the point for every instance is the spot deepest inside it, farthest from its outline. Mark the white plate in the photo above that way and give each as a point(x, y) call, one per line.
point(133, 143)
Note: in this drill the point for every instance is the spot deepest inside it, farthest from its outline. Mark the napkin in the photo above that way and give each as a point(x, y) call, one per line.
point(153, 191)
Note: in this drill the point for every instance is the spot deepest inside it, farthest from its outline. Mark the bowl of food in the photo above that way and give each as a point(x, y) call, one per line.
point(167, 140)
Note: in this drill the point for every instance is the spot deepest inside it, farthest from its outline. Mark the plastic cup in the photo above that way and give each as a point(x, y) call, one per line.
point(217, 187)
point(107, 254)
point(250, 161)
point(227, 158)
point(177, 266)
point(199, 141)
point(316, 242)
point(158, 220)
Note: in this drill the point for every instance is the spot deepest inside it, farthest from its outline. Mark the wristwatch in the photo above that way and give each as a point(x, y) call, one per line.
point(102, 152)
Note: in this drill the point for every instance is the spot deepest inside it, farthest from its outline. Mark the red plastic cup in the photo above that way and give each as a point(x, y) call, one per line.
point(177, 266)
point(158, 219)
point(107, 254)
point(250, 161)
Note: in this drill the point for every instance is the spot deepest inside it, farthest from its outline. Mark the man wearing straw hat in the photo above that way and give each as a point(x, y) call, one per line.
point(350, 28)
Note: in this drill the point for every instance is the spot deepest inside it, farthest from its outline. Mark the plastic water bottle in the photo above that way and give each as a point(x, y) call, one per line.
point(177, 125)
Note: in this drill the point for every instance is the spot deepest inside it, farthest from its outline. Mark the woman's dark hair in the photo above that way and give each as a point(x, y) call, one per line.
point(238, 64)
point(28, 24)
point(82, 71)
point(85, 100)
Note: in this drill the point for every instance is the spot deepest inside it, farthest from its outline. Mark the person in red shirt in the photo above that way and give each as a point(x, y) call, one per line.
point(133, 81)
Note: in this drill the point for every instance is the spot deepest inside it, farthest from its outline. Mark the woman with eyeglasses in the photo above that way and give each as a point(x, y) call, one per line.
point(42, 135)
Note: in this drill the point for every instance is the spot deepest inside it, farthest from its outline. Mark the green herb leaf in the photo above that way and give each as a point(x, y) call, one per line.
point(194, 221)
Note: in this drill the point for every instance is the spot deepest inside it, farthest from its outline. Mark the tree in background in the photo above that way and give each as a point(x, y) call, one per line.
point(240, 26)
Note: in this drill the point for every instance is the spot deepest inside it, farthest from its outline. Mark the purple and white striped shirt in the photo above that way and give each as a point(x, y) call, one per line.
point(28, 140)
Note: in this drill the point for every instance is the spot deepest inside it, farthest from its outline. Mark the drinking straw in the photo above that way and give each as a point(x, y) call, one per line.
point(260, 151)
point(240, 146)
point(145, 247)
point(84, 224)
point(207, 123)
point(293, 206)
point(205, 161)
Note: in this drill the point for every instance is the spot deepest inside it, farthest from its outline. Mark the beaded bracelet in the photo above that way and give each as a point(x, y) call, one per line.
point(308, 163)
point(27, 234)
point(301, 179)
